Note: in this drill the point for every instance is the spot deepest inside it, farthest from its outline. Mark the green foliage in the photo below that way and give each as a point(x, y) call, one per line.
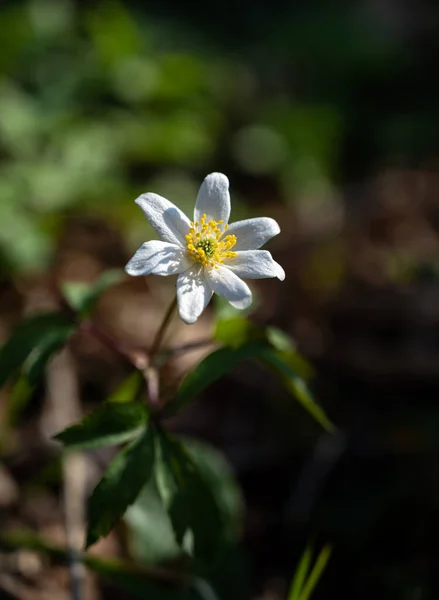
point(210, 369)
point(285, 348)
point(300, 575)
point(128, 390)
point(152, 536)
point(113, 31)
point(274, 350)
point(190, 502)
point(19, 399)
point(218, 475)
point(237, 331)
point(49, 344)
point(109, 425)
point(119, 487)
point(34, 340)
point(82, 297)
point(295, 385)
point(305, 581)
point(32, 344)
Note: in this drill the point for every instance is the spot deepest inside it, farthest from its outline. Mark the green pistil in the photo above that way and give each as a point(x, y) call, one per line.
point(208, 246)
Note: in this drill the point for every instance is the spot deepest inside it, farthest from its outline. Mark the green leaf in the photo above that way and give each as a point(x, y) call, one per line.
point(300, 575)
point(82, 296)
point(286, 349)
point(224, 310)
point(279, 339)
point(19, 399)
point(236, 332)
point(128, 472)
point(303, 584)
point(218, 475)
point(190, 502)
point(210, 369)
point(109, 425)
point(152, 538)
point(43, 334)
point(296, 386)
point(316, 573)
point(50, 344)
point(128, 390)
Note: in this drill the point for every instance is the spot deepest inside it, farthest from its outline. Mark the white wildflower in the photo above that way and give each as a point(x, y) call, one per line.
point(207, 254)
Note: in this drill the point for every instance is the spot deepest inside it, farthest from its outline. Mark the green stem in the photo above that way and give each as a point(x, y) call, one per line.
point(162, 330)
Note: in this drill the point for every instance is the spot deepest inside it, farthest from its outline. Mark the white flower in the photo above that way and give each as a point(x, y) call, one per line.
point(207, 254)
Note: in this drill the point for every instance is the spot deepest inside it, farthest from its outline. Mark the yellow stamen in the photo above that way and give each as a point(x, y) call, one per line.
point(207, 244)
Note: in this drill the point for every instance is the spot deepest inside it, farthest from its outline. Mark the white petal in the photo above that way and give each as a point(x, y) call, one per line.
point(225, 283)
point(193, 294)
point(253, 233)
point(167, 219)
point(158, 258)
point(213, 199)
point(255, 264)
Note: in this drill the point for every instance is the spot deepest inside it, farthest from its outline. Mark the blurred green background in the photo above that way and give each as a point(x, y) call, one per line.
point(324, 116)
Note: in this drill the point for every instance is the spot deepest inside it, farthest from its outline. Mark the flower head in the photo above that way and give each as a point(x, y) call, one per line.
point(207, 254)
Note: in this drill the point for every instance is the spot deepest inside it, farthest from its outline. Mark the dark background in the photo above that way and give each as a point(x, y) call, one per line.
point(324, 115)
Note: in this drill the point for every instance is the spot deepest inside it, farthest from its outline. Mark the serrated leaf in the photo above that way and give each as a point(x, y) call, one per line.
point(83, 296)
point(210, 369)
point(218, 475)
point(33, 334)
point(152, 538)
point(127, 473)
point(296, 386)
point(190, 502)
point(109, 425)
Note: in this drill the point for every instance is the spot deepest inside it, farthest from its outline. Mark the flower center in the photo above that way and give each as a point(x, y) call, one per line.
point(206, 244)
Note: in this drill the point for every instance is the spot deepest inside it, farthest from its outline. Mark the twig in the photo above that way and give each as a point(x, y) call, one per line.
point(150, 372)
point(102, 566)
point(152, 385)
point(134, 357)
point(64, 409)
point(145, 362)
point(189, 346)
point(13, 586)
